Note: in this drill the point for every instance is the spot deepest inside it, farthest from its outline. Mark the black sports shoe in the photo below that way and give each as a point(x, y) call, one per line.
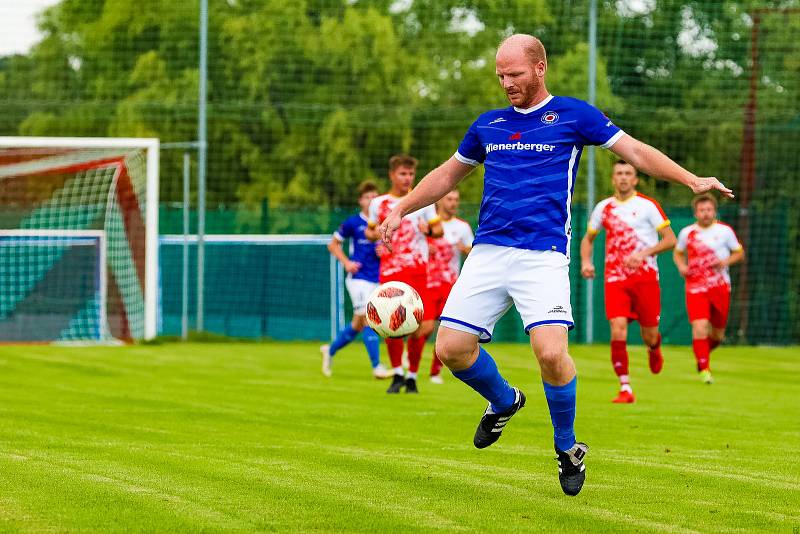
point(411, 385)
point(571, 471)
point(492, 424)
point(397, 383)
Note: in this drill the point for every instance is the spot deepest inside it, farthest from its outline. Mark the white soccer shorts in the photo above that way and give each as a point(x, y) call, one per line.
point(359, 291)
point(494, 277)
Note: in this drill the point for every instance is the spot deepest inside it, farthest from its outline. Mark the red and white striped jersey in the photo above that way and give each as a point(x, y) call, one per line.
point(704, 248)
point(444, 262)
point(631, 225)
point(409, 245)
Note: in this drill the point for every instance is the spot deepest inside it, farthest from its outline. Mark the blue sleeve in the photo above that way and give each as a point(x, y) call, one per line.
point(345, 229)
point(471, 150)
point(597, 129)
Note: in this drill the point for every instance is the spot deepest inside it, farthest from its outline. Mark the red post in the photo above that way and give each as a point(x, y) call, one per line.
point(748, 174)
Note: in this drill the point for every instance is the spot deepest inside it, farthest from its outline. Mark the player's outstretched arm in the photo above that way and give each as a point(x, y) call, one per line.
point(434, 186)
point(655, 163)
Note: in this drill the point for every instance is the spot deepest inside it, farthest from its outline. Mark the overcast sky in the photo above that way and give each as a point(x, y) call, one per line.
point(18, 24)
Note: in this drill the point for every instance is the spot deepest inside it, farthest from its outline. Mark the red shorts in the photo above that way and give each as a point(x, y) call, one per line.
point(418, 281)
point(712, 305)
point(438, 297)
point(638, 300)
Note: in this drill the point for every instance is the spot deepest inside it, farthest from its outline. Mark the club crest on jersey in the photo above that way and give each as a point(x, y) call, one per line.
point(550, 117)
point(515, 137)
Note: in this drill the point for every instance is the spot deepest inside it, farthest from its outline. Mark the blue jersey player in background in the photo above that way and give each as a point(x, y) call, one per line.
point(530, 153)
point(362, 277)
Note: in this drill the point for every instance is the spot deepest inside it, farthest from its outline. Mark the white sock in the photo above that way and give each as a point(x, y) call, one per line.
point(411, 375)
point(398, 370)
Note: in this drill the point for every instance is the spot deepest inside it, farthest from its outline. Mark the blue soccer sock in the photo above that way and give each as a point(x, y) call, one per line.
point(484, 378)
point(345, 336)
point(561, 400)
point(373, 343)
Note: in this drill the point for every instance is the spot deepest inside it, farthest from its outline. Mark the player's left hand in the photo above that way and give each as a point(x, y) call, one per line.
point(387, 228)
point(701, 185)
point(352, 267)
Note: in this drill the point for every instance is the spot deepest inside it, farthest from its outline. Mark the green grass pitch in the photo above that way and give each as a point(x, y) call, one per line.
point(251, 437)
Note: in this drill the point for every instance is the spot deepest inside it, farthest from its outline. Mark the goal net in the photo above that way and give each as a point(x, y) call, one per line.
point(78, 239)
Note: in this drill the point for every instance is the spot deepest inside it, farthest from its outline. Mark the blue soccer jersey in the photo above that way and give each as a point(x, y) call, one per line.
point(530, 159)
point(362, 249)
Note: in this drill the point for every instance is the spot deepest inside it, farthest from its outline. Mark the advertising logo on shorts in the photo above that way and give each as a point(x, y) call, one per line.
point(550, 117)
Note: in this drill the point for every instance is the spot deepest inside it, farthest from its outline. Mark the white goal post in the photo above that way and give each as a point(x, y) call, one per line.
point(90, 187)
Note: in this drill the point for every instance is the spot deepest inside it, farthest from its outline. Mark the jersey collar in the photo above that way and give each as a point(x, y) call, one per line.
point(540, 105)
point(620, 202)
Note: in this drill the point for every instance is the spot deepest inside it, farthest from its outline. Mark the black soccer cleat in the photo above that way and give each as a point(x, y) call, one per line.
point(571, 470)
point(411, 385)
point(492, 424)
point(397, 384)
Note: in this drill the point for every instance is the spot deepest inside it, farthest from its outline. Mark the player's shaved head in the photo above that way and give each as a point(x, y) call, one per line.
point(521, 65)
point(527, 44)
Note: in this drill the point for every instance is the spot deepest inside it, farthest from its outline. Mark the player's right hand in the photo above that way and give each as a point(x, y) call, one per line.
point(387, 228)
point(587, 270)
point(702, 185)
point(682, 270)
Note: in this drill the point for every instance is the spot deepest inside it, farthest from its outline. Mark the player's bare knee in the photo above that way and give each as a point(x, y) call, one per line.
point(619, 328)
point(551, 356)
point(650, 336)
point(450, 354)
point(619, 333)
point(359, 322)
point(454, 350)
point(700, 329)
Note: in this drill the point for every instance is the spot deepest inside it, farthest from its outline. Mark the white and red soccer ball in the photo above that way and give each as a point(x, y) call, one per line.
point(394, 309)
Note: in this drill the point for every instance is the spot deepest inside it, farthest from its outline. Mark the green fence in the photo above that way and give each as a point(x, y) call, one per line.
point(284, 291)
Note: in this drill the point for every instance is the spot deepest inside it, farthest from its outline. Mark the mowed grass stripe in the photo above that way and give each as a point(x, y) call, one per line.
point(244, 437)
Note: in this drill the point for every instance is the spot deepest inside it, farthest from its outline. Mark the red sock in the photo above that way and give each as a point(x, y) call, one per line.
point(701, 353)
point(436, 364)
point(415, 347)
point(713, 344)
point(619, 357)
point(395, 347)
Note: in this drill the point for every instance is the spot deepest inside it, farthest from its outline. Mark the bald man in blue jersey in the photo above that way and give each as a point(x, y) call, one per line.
point(530, 152)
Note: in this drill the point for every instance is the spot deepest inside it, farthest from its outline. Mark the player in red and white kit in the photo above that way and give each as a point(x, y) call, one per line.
point(406, 262)
point(444, 262)
point(633, 224)
point(711, 247)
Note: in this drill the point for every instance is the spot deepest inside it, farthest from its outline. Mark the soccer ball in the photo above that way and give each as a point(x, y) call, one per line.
point(394, 309)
